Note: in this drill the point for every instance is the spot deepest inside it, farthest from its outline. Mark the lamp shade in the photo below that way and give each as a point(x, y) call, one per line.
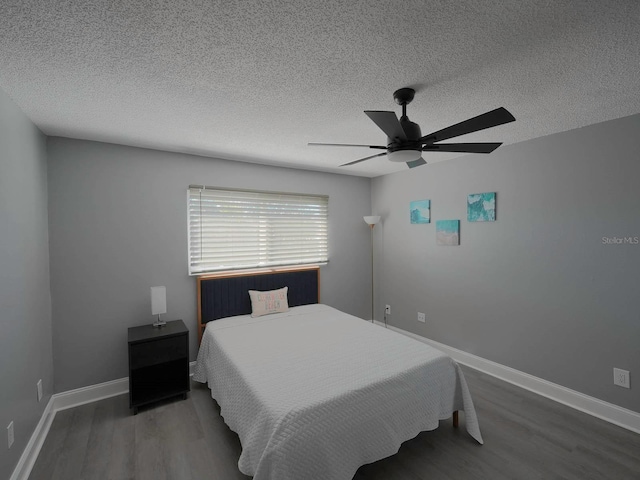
point(372, 219)
point(158, 300)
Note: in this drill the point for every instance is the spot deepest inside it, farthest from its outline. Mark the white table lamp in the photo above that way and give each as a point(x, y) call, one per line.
point(158, 304)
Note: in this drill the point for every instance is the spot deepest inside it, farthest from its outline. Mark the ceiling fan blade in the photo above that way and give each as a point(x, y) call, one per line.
point(462, 147)
point(363, 159)
point(313, 144)
point(388, 123)
point(416, 163)
point(496, 117)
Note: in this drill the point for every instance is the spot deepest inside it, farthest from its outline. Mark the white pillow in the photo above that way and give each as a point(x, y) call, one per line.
point(274, 301)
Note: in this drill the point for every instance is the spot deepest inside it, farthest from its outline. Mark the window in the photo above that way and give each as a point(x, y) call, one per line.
point(241, 229)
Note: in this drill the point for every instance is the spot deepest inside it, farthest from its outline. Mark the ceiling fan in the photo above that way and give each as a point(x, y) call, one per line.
point(405, 142)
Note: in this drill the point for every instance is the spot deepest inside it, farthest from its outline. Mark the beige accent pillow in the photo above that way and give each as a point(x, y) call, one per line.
point(274, 301)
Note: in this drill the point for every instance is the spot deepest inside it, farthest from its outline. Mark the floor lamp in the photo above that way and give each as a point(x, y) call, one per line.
point(371, 220)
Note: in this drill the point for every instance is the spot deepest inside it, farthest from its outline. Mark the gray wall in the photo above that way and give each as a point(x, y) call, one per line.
point(118, 225)
point(537, 290)
point(25, 305)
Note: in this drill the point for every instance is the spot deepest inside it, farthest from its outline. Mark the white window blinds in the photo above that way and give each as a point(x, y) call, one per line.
point(238, 229)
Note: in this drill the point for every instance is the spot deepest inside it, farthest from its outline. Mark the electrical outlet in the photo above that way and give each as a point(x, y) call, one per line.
point(621, 378)
point(421, 317)
point(387, 309)
point(39, 387)
point(10, 434)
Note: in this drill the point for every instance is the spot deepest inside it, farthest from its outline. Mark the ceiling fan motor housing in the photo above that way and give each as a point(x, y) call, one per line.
point(412, 144)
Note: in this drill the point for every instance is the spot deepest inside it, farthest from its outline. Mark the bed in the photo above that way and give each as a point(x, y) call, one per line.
point(314, 393)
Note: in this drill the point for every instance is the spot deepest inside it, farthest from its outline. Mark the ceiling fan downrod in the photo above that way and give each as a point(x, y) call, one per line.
point(403, 97)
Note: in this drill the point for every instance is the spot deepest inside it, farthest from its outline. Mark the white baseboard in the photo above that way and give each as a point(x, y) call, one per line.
point(31, 451)
point(92, 393)
point(62, 401)
point(598, 408)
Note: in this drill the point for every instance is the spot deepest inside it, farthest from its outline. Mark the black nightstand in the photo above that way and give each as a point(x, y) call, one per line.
point(158, 363)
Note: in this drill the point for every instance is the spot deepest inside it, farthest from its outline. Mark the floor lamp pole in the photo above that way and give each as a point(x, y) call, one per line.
point(372, 289)
point(371, 221)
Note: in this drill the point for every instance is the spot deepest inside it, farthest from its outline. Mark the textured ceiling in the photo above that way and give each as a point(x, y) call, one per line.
point(257, 80)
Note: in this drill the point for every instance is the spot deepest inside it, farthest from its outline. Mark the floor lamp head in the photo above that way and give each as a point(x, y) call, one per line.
point(371, 220)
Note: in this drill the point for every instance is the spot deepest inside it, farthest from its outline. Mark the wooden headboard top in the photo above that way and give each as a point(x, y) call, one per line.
point(226, 294)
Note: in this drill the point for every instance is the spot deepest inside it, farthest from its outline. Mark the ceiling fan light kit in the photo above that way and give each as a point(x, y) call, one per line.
point(405, 142)
point(404, 155)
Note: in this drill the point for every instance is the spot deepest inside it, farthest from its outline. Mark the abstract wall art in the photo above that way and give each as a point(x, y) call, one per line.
point(481, 207)
point(420, 211)
point(448, 232)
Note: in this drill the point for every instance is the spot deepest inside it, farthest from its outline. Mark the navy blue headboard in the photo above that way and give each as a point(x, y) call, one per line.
point(227, 295)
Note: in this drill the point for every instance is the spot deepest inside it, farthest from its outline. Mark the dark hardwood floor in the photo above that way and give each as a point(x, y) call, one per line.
point(526, 437)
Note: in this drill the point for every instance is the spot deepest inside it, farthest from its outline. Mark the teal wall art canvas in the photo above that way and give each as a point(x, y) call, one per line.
point(481, 207)
point(420, 211)
point(448, 232)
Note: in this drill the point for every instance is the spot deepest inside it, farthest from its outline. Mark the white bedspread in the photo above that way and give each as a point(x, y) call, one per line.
point(315, 393)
